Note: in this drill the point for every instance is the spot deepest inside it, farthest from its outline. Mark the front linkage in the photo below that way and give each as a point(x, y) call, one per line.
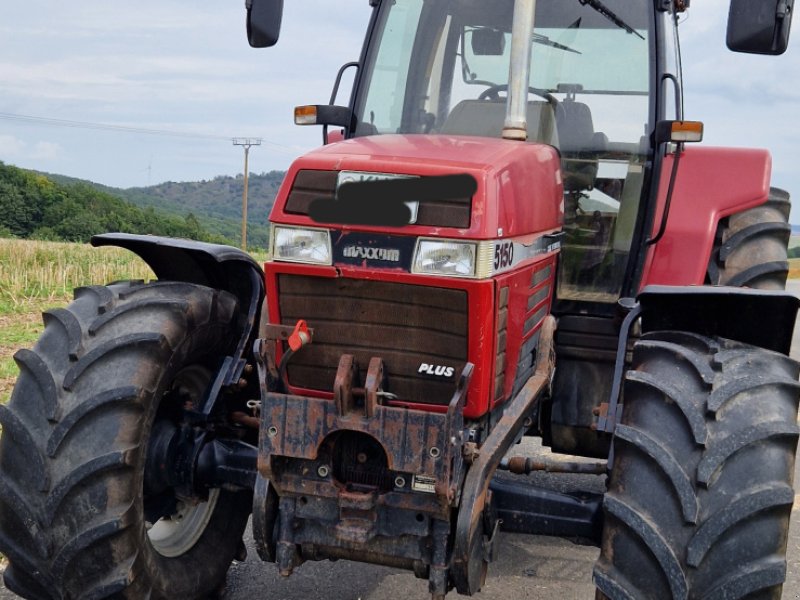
point(353, 477)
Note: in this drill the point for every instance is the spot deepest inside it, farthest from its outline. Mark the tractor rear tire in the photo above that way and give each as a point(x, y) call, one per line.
point(751, 247)
point(74, 448)
point(700, 490)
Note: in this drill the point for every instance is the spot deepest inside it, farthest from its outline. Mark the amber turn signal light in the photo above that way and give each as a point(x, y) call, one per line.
point(305, 115)
point(679, 131)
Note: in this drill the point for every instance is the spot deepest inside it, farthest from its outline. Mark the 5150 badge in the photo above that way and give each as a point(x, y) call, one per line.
point(503, 255)
point(509, 253)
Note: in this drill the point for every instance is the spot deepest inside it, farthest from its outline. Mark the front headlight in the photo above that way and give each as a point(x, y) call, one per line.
point(454, 258)
point(445, 258)
point(293, 244)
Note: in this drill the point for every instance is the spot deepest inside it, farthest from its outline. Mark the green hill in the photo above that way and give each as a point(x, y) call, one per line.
point(34, 206)
point(216, 203)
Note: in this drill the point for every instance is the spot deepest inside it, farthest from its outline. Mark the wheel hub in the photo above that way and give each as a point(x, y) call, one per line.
point(178, 533)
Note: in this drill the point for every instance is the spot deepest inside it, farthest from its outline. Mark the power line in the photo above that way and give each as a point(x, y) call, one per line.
point(105, 126)
point(51, 122)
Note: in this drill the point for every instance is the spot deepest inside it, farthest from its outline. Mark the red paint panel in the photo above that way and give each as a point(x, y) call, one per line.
point(519, 184)
point(520, 291)
point(712, 183)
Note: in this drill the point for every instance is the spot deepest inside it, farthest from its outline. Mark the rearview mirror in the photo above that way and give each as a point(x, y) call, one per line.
point(488, 42)
point(759, 26)
point(263, 22)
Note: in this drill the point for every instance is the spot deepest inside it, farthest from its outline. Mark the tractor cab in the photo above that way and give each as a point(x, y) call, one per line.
point(443, 68)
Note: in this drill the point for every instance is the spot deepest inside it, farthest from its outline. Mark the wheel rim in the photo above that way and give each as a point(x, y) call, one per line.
point(177, 534)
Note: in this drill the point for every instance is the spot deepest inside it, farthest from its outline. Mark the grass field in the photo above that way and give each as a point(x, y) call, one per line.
point(35, 276)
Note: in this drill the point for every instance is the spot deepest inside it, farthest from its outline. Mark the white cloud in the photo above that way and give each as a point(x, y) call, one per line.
point(45, 151)
point(13, 148)
point(161, 65)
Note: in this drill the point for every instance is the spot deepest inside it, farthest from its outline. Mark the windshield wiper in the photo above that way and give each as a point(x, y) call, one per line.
point(546, 41)
point(610, 15)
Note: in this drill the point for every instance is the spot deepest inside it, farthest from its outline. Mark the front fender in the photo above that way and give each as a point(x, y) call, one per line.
point(761, 318)
point(711, 184)
point(212, 265)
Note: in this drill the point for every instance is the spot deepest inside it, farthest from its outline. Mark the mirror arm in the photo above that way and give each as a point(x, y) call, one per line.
point(335, 92)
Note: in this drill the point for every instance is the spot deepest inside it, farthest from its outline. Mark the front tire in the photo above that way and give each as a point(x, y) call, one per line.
point(700, 491)
point(73, 508)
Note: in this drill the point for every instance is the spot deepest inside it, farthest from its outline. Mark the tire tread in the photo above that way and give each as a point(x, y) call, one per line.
point(741, 477)
point(70, 517)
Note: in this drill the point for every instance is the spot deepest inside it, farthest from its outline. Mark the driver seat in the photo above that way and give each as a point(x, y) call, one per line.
point(485, 118)
point(580, 144)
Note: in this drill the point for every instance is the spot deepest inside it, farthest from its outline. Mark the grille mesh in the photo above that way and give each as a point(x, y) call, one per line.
point(405, 325)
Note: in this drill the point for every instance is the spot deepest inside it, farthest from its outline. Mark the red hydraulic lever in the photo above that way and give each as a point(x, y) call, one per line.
point(300, 336)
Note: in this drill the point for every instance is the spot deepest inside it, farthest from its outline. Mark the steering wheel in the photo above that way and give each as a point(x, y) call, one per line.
point(492, 93)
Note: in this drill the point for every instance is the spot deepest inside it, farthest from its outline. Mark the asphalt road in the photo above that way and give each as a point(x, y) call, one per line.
point(528, 567)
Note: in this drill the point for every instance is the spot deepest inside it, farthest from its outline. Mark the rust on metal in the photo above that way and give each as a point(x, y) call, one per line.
point(522, 465)
point(295, 427)
point(326, 510)
point(372, 385)
point(346, 378)
point(470, 452)
point(469, 565)
point(606, 419)
point(281, 333)
point(357, 516)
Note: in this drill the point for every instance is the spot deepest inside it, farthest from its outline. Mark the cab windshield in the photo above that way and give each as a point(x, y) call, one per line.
point(442, 67)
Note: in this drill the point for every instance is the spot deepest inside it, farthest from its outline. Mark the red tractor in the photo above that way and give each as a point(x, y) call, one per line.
point(503, 235)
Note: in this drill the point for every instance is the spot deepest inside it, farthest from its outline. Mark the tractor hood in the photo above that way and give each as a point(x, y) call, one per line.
point(519, 189)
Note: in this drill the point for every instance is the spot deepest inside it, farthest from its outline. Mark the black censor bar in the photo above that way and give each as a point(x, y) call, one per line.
point(382, 202)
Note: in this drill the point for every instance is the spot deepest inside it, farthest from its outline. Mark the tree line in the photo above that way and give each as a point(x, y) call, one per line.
point(32, 206)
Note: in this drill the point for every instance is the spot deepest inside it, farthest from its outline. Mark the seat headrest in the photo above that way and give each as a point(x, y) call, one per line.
point(485, 118)
point(575, 126)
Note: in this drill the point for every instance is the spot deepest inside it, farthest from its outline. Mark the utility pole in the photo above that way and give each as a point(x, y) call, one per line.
point(246, 143)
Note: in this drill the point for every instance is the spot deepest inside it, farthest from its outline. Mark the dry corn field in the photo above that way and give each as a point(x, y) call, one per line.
point(35, 276)
point(50, 270)
point(794, 268)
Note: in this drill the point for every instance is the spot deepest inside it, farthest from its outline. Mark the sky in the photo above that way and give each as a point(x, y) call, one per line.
point(186, 67)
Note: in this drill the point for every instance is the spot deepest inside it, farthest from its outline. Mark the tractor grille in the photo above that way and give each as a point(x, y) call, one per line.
point(311, 184)
point(405, 325)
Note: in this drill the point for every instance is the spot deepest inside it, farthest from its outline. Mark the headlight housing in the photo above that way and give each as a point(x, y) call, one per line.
point(453, 258)
point(301, 244)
